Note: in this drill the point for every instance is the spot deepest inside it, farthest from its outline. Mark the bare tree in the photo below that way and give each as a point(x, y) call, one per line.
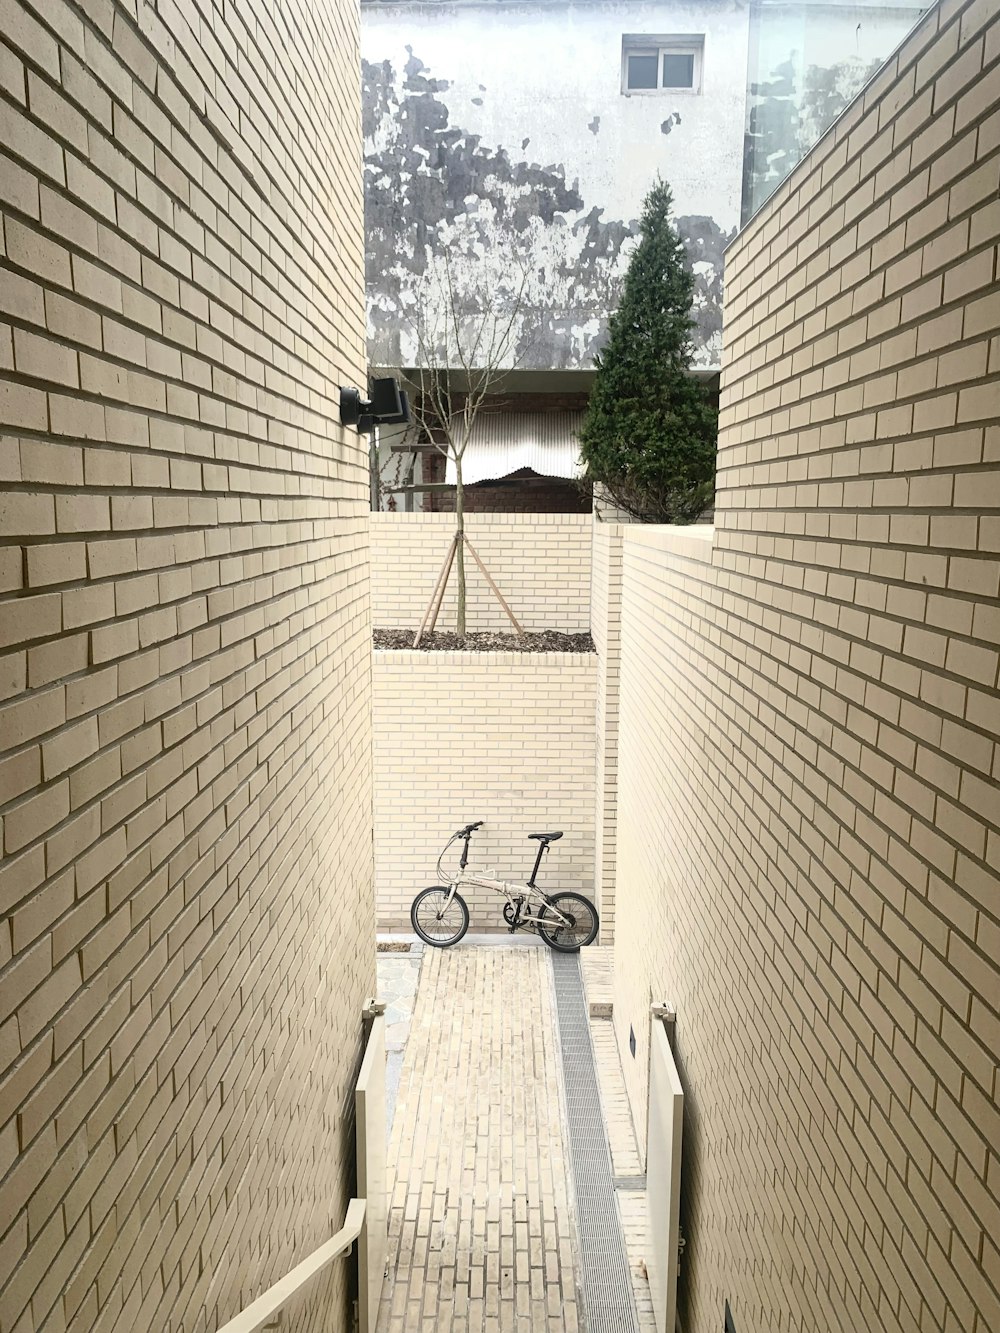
point(468, 334)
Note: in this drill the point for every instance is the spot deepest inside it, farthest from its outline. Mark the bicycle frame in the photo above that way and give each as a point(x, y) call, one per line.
point(516, 894)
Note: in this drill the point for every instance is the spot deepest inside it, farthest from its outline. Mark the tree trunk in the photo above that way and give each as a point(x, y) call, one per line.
point(460, 550)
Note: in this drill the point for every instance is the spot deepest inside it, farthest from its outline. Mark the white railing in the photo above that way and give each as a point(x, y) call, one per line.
point(265, 1307)
point(370, 1117)
point(664, 1135)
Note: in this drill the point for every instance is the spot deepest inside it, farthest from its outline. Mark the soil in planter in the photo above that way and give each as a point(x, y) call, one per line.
point(546, 641)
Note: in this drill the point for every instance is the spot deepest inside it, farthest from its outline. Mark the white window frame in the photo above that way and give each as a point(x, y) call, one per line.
point(660, 45)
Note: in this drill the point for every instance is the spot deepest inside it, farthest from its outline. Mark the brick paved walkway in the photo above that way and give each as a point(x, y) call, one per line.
point(480, 1224)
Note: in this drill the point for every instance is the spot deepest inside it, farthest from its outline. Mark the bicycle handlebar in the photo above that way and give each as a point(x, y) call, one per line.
point(467, 833)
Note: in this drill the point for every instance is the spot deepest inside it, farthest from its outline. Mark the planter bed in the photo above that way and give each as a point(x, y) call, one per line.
point(544, 641)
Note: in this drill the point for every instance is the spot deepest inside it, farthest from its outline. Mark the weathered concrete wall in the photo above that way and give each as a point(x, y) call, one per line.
point(186, 909)
point(809, 823)
point(497, 130)
point(540, 562)
point(503, 737)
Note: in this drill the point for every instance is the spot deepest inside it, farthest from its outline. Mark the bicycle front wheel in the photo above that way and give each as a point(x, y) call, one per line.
point(438, 921)
point(579, 927)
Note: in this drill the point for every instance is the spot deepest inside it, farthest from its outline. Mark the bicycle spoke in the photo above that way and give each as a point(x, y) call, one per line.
point(571, 922)
point(440, 919)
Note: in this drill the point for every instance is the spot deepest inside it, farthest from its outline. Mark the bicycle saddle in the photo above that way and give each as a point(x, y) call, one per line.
point(546, 837)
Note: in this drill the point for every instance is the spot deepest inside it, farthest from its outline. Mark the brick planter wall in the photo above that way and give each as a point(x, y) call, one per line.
point(503, 737)
point(540, 563)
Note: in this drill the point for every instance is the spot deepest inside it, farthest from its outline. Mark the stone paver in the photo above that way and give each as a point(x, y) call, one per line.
point(480, 1223)
point(398, 973)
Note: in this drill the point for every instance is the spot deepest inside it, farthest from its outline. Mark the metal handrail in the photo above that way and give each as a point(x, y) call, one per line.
point(265, 1307)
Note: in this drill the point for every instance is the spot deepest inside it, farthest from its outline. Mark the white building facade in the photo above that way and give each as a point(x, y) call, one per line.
point(508, 132)
point(513, 142)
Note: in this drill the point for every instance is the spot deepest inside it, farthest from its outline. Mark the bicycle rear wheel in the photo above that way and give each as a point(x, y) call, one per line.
point(438, 921)
point(581, 925)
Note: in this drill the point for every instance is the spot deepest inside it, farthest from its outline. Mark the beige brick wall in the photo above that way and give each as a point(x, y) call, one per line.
point(540, 563)
point(184, 657)
point(809, 822)
point(606, 592)
point(503, 737)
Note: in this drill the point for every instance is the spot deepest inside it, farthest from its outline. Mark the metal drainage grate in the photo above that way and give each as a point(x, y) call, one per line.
point(605, 1281)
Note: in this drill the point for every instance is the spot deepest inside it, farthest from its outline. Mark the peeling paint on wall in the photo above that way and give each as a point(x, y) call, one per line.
point(548, 163)
point(500, 175)
point(430, 185)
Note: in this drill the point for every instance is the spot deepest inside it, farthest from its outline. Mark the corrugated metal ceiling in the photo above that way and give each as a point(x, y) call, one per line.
point(504, 442)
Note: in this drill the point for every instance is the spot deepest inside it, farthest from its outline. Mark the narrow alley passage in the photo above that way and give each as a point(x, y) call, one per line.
point(481, 1232)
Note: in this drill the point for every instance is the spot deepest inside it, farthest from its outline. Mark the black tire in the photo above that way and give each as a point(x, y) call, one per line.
point(586, 923)
point(426, 909)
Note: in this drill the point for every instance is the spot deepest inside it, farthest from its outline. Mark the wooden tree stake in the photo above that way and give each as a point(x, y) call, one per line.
point(499, 594)
point(437, 596)
point(444, 584)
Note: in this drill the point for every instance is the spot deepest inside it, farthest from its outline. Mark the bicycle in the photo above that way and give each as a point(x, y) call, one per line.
point(440, 915)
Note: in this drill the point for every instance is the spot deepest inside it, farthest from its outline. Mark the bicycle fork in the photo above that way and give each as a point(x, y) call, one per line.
point(449, 900)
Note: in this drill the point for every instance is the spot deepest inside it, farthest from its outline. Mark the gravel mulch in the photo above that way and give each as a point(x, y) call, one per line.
point(547, 641)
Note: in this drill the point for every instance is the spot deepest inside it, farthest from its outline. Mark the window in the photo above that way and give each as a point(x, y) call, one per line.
point(678, 70)
point(653, 64)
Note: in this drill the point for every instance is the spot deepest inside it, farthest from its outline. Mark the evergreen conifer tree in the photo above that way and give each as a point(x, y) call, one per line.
point(649, 436)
